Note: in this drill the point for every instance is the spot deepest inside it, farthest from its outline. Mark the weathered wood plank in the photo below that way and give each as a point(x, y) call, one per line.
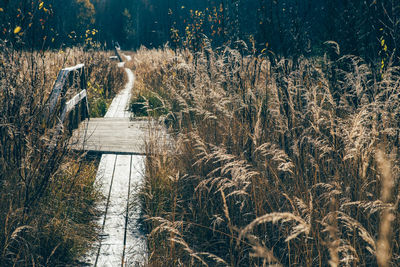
point(122, 243)
point(135, 245)
point(113, 135)
point(121, 177)
point(104, 180)
point(111, 250)
point(119, 105)
point(75, 100)
point(59, 84)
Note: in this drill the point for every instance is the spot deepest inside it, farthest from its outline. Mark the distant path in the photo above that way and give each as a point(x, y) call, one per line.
point(120, 178)
point(119, 105)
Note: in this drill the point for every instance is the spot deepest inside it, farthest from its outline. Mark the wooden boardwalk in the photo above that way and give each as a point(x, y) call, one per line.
point(121, 243)
point(112, 135)
point(120, 176)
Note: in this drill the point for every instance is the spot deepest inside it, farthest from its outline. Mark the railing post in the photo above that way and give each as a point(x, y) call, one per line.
point(85, 100)
point(117, 49)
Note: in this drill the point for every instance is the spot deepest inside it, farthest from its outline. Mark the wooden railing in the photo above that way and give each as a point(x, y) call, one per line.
point(68, 99)
point(117, 52)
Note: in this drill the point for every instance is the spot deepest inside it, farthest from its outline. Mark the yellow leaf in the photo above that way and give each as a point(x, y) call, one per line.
point(1, 10)
point(17, 29)
point(383, 42)
point(41, 5)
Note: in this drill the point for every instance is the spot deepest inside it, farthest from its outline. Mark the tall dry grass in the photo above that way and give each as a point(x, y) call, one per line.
point(276, 163)
point(46, 195)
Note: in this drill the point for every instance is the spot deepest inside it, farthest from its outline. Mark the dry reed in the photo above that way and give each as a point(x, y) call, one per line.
point(46, 195)
point(281, 157)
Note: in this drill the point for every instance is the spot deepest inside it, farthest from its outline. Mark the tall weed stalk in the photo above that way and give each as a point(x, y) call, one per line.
point(290, 163)
point(46, 195)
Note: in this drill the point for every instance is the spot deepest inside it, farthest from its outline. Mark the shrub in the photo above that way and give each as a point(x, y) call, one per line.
point(98, 108)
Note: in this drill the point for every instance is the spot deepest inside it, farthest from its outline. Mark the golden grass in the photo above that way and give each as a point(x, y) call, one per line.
point(47, 196)
point(276, 163)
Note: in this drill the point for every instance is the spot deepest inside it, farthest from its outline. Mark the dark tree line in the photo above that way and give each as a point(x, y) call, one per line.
point(369, 28)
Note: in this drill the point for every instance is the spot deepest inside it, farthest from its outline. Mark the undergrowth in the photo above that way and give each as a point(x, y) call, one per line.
point(143, 105)
point(47, 197)
point(275, 163)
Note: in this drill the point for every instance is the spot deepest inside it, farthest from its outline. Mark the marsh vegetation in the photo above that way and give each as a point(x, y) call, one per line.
point(283, 121)
point(289, 163)
point(47, 195)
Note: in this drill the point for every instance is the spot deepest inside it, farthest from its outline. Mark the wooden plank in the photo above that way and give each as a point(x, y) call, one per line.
point(121, 176)
point(104, 181)
point(135, 245)
point(113, 135)
point(59, 84)
point(56, 91)
point(121, 242)
point(119, 105)
point(77, 67)
point(75, 100)
point(110, 253)
point(70, 105)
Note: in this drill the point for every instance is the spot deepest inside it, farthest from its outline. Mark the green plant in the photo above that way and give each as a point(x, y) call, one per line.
point(138, 106)
point(149, 105)
point(98, 108)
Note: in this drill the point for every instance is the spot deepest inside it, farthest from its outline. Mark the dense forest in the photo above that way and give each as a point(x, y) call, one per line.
point(279, 28)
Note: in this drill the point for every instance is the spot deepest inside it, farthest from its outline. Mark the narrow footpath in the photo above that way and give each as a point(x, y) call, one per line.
point(120, 178)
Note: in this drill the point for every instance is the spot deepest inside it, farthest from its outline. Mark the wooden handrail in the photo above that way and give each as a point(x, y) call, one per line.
point(58, 96)
point(60, 83)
